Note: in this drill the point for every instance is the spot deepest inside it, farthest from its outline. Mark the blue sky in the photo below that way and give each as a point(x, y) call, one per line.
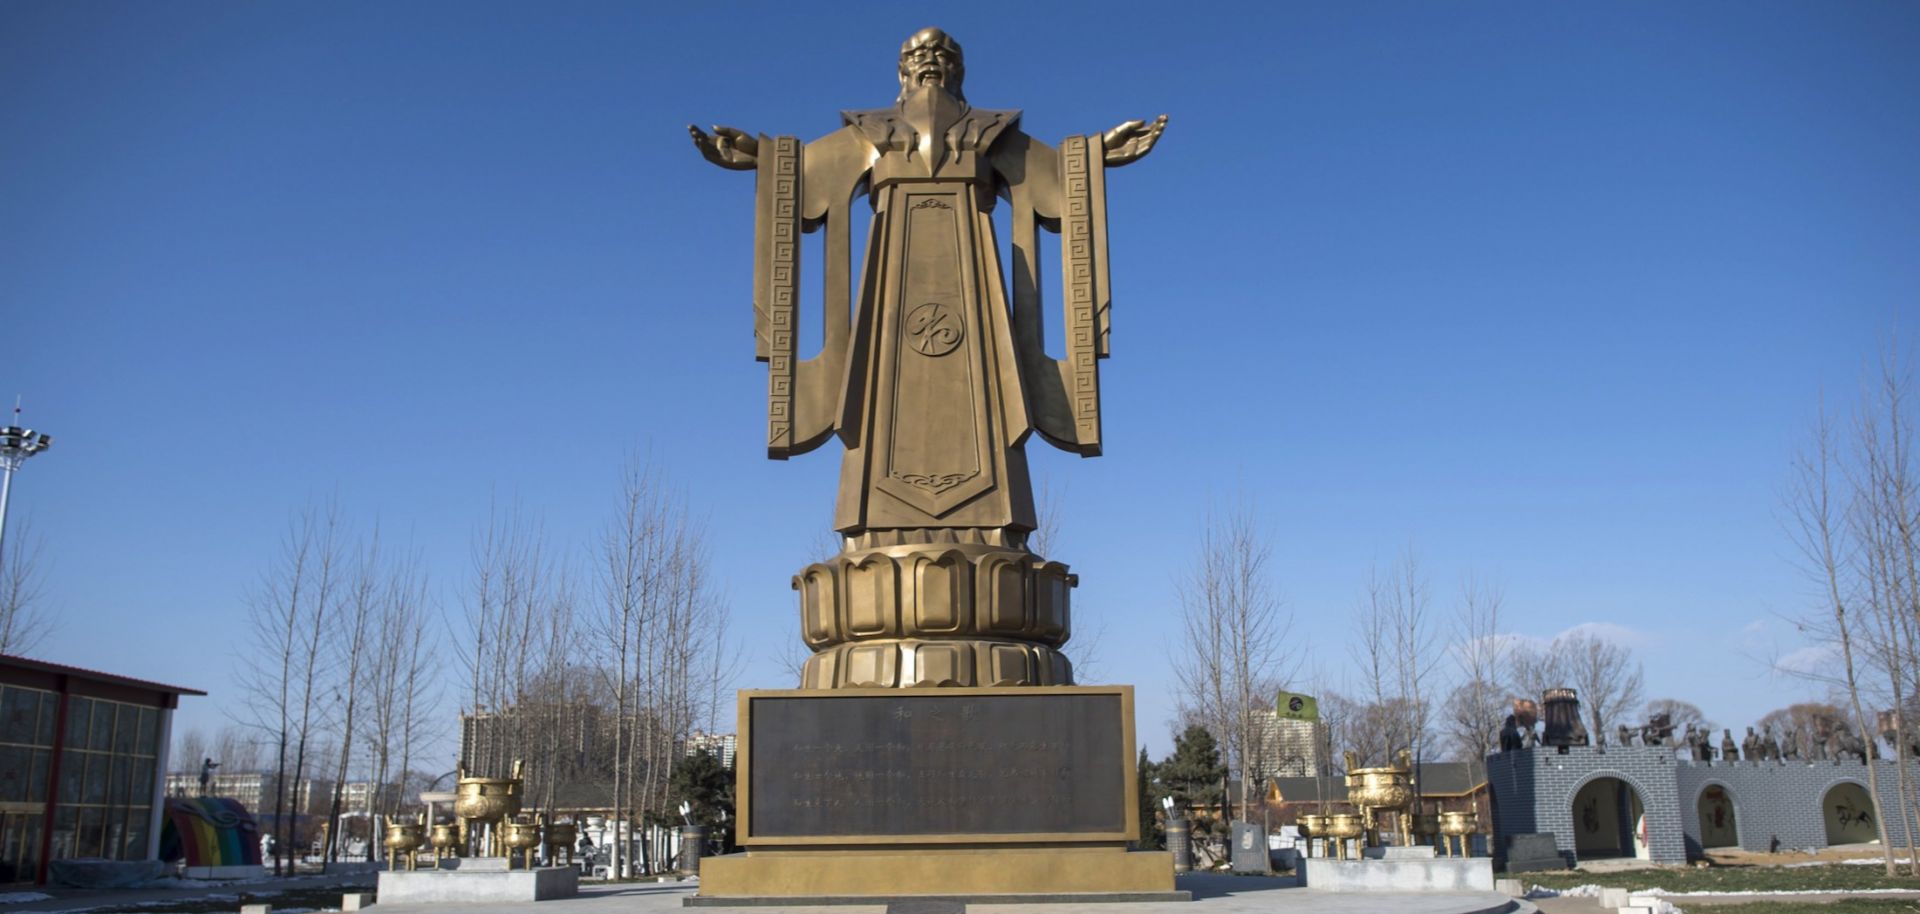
point(1545, 292)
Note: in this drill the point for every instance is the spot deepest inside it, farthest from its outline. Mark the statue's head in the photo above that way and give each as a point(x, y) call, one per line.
point(931, 58)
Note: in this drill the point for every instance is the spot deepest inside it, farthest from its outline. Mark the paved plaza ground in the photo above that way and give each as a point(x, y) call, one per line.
point(1212, 895)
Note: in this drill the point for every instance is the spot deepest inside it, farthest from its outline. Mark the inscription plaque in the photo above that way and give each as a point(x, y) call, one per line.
point(962, 764)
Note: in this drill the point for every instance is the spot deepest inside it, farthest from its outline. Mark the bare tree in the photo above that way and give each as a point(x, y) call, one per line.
point(353, 626)
point(189, 751)
point(1393, 651)
point(399, 657)
point(288, 613)
point(624, 573)
point(237, 748)
point(1815, 521)
point(1882, 522)
point(519, 616)
point(23, 616)
point(1532, 669)
point(1805, 723)
point(1604, 673)
point(1477, 706)
point(1234, 653)
point(1679, 713)
point(1368, 729)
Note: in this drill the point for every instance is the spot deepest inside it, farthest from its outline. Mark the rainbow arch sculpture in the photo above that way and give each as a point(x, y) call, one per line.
point(209, 831)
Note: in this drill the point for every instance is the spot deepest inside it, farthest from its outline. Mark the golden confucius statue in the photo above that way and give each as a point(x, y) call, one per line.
point(933, 370)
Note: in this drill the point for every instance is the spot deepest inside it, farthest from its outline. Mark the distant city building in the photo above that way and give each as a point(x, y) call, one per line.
point(81, 761)
point(720, 744)
point(1284, 747)
point(576, 733)
point(256, 790)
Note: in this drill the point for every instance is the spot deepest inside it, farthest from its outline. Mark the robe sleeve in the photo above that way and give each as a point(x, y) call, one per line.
point(1062, 190)
point(801, 188)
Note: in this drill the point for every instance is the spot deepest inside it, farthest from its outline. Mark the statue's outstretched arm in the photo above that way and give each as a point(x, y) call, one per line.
point(730, 148)
point(1131, 141)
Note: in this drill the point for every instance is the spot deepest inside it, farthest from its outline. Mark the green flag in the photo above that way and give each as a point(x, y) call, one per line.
point(1293, 706)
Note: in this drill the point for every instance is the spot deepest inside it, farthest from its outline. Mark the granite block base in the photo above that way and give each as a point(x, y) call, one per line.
point(467, 885)
point(1438, 875)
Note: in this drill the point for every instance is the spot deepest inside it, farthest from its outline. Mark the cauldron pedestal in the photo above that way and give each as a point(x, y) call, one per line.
point(467, 880)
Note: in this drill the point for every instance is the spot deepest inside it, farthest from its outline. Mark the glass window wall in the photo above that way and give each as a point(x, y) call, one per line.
point(106, 776)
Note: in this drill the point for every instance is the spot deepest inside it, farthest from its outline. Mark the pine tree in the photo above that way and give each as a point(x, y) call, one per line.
point(1153, 834)
point(704, 783)
point(1193, 775)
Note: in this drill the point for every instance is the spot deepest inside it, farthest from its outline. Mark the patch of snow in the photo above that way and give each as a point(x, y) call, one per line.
point(1854, 861)
point(1706, 894)
point(22, 897)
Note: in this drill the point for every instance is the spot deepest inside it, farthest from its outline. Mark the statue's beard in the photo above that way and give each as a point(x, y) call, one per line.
point(922, 90)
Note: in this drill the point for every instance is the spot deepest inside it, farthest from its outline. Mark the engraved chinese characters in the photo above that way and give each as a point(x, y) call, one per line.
point(988, 765)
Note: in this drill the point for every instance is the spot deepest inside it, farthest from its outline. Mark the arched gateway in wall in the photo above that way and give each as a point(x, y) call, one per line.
point(1609, 820)
point(1849, 814)
point(1718, 826)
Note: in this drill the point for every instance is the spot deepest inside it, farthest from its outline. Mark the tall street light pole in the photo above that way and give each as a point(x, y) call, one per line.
point(16, 445)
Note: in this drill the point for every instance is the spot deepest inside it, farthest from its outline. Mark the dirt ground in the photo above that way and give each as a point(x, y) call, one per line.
point(1733, 856)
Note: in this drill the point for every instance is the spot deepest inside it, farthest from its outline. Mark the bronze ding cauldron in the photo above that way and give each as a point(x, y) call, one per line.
point(1424, 825)
point(403, 839)
point(522, 837)
point(1342, 827)
point(1312, 827)
point(560, 839)
point(1460, 825)
point(1374, 789)
point(445, 838)
point(487, 800)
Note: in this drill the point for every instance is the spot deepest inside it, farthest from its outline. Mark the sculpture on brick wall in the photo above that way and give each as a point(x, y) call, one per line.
point(1843, 743)
point(1696, 739)
point(1658, 730)
point(1510, 737)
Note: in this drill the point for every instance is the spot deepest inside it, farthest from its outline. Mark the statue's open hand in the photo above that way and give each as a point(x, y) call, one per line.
point(728, 148)
point(1132, 140)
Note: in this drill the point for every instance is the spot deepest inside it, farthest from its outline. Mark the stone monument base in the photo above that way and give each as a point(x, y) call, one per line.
point(477, 879)
point(1449, 874)
point(1534, 852)
point(1028, 874)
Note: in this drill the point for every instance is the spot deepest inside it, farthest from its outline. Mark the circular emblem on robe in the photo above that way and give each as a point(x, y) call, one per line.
point(933, 329)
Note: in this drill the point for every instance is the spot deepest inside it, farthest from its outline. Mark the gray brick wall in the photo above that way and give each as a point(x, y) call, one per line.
point(1775, 800)
point(1533, 790)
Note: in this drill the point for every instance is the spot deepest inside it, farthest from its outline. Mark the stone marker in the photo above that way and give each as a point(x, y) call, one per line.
point(1528, 853)
point(1250, 855)
point(354, 901)
point(1512, 887)
point(256, 909)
